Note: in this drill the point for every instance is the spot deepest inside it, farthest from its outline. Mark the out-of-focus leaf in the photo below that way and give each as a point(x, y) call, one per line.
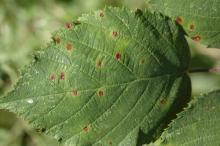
point(198, 125)
point(19, 136)
point(200, 18)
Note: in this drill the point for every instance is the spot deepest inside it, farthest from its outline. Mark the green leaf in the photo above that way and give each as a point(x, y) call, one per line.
point(112, 75)
point(200, 18)
point(198, 125)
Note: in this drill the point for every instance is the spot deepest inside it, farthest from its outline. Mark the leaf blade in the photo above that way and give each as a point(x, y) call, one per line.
point(112, 71)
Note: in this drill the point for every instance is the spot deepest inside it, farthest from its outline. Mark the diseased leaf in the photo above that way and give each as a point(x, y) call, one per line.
point(198, 125)
point(199, 18)
point(105, 79)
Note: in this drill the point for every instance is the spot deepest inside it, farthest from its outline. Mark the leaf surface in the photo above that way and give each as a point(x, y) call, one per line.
point(106, 78)
point(199, 18)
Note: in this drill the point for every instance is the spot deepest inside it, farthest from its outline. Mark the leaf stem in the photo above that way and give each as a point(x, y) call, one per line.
point(207, 70)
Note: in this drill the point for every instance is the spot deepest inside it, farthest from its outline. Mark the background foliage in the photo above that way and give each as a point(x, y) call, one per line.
point(25, 27)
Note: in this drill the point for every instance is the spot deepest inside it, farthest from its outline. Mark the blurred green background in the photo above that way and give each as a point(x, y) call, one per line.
point(26, 26)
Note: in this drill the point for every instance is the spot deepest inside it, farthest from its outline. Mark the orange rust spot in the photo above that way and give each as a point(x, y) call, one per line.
point(101, 14)
point(114, 33)
point(56, 39)
point(196, 38)
point(68, 25)
point(100, 93)
point(179, 20)
point(69, 46)
point(86, 129)
point(74, 93)
point(118, 56)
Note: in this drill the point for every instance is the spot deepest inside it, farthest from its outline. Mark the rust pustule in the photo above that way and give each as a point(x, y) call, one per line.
point(62, 76)
point(179, 20)
point(69, 46)
point(101, 14)
point(74, 93)
point(196, 38)
point(99, 63)
point(100, 93)
point(163, 101)
point(114, 34)
point(118, 56)
point(56, 39)
point(68, 25)
point(142, 61)
point(191, 27)
point(86, 129)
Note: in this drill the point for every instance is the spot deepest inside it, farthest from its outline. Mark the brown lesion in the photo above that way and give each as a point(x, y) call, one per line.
point(99, 63)
point(74, 92)
point(179, 20)
point(86, 129)
point(118, 56)
point(163, 101)
point(56, 39)
point(68, 25)
point(196, 38)
point(101, 14)
point(101, 93)
point(114, 34)
point(142, 61)
point(62, 76)
point(191, 27)
point(69, 46)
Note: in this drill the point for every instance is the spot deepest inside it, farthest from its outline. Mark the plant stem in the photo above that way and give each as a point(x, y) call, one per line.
point(207, 70)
